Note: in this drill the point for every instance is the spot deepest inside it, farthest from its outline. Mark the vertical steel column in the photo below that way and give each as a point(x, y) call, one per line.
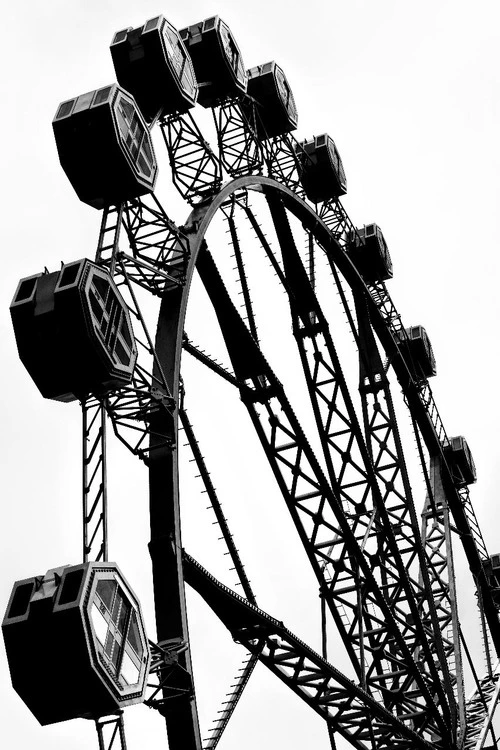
point(110, 729)
point(165, 545)
point(111, 732)
point(95, 525)
point(109, 235)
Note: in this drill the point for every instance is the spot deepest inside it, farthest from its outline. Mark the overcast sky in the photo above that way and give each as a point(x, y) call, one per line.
point(410, 93)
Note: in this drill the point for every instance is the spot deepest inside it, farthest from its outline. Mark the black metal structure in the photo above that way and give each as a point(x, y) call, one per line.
point(314, 356)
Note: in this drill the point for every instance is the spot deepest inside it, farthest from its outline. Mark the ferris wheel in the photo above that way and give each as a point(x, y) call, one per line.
point(279, 359)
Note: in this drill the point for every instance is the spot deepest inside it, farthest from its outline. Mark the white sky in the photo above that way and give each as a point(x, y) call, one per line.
point(409, 92)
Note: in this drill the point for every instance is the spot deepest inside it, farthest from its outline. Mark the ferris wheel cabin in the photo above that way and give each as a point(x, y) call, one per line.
point(73, 332)
point(152, 63)
point(368, 251)
point(105, 147)
point(76, 643)
point(416, 350)
point(322, 172)
point(459, 458)
point(217, 60)
point(276, 108)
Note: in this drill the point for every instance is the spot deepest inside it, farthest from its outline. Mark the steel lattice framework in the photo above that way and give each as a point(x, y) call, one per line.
point(386, 577)
point(383, 561)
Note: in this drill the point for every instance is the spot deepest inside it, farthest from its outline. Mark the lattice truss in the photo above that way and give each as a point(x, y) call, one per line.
point(274, 278)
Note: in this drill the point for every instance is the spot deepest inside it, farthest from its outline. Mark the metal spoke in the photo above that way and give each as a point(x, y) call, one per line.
point(355, 483)
point(305, 490)
point(343, 704)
